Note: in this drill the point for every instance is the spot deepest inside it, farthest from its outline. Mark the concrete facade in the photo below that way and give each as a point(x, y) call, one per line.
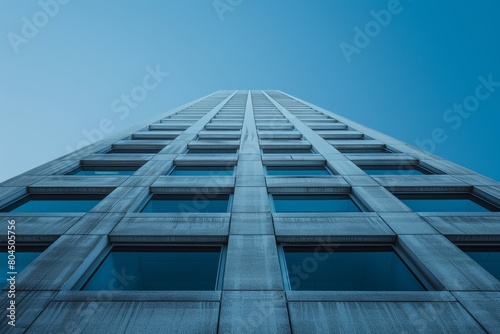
point(254, 298)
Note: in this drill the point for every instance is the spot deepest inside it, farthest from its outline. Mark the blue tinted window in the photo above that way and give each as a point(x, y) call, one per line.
point(343, 269)
point(54, 203)
point(314, 203)
point(187, 203)
point(103, 171)
point(297, 171)
point(178, 268)
point(394, 170)
point(489, 260)
point(446, 203)
point(23, 259)
point(201, 171)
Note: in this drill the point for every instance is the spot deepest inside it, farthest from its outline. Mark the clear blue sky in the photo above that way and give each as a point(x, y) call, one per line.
point(61, 73)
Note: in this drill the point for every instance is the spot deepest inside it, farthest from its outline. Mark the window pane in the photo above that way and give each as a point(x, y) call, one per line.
point(176, 269)
point(193, 171)
point(54, 203)
point(394, 170)
point(344, 270)
point(297, 171)
point(314, 203)
point(94, 171)
point(489, 260)
point(446, 203)
point(187, 203)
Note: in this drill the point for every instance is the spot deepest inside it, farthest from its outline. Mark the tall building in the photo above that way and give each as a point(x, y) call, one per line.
point(251, 212)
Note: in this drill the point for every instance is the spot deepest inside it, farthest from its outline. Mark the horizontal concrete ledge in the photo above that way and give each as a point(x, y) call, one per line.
point(142, 296)
point(332, 184)
point(305, 215)
point(77, 184)
point(474, 228)
point(193, 185)
point(172, 226)
point(459, 214)
point(422, 183)
point(17, 215)
point(333, 227)
point(370, 296)
point(379, 159)
point(285, 144)
point(219, 135)
point(156, 135)
point(170, 215)
point(356, 144)
point(126, 159)
point(32, 239)
point(340, 134)
point(214, 144)
point(329, 239)
point(206, 160)
point(293, 160)
point(139, 239)
point(141, 144)
point(462, 238)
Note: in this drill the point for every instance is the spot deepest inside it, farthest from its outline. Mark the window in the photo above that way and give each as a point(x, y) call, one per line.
point(202, 171)
point(187, 203)
point(24, 255)
point(346, 268)
point(315, 203)
point(286, 150)
point(446, 203)
point(395, 170)
point(103, 170)
point(288, 170)
point(159, 268)
point(54, 203)
point(487, 257)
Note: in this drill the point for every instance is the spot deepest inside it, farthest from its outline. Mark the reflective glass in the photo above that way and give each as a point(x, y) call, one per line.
point(314, 203)
point(187, 203)
point(446, 203)
point(54, 203)
point(489, 260)
point(177, 268)
point(343, 269)
point(394, 170)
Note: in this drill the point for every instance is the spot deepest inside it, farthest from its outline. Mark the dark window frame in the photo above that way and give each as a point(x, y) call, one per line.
point(154, 247)
point(417, 273)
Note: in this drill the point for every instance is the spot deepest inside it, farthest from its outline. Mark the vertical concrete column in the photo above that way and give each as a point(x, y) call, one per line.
point(253, 299)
